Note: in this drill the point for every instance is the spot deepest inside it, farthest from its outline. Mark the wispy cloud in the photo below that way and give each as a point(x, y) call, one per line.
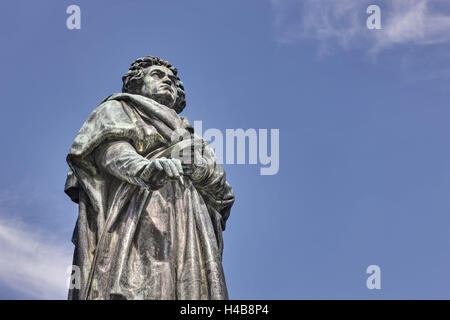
point(36, 222)
point(342, 23)
point(414, 22)
point(321, 20)
point(31, 262)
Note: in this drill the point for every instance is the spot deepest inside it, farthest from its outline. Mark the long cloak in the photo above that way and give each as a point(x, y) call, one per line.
point(132, 242)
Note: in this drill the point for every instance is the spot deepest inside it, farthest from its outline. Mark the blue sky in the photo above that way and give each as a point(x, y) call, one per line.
point(364, 137)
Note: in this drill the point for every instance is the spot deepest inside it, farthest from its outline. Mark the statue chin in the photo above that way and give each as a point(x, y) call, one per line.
point(165, 99)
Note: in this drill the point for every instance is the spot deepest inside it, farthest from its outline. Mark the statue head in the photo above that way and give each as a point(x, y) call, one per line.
point(157, 79)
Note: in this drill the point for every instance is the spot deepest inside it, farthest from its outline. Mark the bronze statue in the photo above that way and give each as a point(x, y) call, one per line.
point(150, 224)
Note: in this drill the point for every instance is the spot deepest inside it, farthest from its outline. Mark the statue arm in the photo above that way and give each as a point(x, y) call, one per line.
point(213, 185)
point(121, 160)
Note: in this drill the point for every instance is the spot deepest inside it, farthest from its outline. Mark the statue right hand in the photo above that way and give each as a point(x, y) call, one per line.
point(161, 170)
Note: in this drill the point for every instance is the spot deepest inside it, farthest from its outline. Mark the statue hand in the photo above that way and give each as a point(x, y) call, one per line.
point(161, 170)
point(197, 170)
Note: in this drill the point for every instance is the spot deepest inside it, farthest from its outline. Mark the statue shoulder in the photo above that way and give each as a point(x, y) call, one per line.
point(108, 120)
point(109, 106)
point(106, 111)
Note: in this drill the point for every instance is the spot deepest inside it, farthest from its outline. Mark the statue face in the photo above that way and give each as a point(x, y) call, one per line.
point(160, 85)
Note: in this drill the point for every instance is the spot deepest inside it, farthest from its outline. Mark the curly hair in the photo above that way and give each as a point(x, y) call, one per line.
point(132, 80)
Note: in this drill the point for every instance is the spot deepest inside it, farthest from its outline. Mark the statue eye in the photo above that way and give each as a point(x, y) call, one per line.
point(157, 75)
